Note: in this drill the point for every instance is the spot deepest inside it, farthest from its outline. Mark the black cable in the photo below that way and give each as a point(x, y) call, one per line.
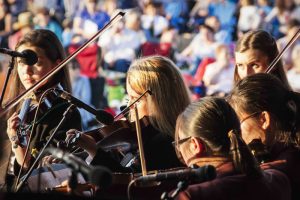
point(129, 187)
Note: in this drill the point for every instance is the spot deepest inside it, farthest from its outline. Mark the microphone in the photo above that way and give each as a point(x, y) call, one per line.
point(198, 175)
point(101, 115)
point(28, 56)
point(99, 176)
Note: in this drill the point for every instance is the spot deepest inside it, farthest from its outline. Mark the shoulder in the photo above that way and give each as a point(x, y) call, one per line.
point(273, 185)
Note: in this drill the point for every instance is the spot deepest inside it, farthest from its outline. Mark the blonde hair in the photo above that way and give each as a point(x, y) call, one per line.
point(170, 95)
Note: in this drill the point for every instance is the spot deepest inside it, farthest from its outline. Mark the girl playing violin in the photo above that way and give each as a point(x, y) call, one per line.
point(269, 112)
point(168, 99)
point(253, 54)
point(208, 133)
point(49, 52)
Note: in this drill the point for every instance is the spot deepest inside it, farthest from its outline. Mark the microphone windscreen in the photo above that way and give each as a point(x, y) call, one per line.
point(206, 173)
point(30, 57)
point(100, 176)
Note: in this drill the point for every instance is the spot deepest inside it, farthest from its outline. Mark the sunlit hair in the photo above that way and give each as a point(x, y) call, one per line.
point(53, 49)
point(216, 124)
point(169, 96)
point(266, 44)
point(264, 92)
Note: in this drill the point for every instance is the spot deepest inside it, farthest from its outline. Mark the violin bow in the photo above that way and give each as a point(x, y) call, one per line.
point(140, 141)
point(55, 70)
point(289, 44)
point(138, 129)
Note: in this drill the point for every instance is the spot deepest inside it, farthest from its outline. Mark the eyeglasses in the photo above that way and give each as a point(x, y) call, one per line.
point(249, 116)
point(181, 141)
point(176, 145)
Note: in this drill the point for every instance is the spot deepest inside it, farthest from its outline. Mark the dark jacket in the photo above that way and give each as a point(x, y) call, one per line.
point(230, 186)
point(291, 166)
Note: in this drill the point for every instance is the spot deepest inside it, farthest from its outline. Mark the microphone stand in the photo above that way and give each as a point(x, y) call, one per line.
point(10, 68)
point(26, 176)
point(73, 181)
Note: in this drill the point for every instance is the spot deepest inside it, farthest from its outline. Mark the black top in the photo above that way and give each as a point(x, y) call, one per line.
point(291, 167)
point(158, 150)
point(47, 123)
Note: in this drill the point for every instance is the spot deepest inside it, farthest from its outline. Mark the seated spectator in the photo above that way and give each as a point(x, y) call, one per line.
point(193, 54)
point(90, 17)
point(221, 35)
point(249, 18)
point(292, 28)
point(22, 26)
point(152, 22)
point(218, 76)
point(293, 74)
point(121, 43)
point(43, 20)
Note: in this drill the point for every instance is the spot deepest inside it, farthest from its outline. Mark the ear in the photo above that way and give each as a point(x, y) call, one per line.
point(197, 146)
point(265, 120)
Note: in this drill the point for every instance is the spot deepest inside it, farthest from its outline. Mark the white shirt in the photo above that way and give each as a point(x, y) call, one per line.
point(218, 78)
point(294, 79)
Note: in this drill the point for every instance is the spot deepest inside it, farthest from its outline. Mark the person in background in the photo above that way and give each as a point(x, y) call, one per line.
point(219, 74)
point(22, 26)
point(292, 27)
point(90, 19)
point(43, 20)
point(293, 74)
point(5, 23)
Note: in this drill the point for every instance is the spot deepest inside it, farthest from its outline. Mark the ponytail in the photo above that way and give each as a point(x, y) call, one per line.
point(243, 160)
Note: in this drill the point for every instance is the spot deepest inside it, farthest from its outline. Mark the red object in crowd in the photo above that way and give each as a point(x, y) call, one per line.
point(87, 59)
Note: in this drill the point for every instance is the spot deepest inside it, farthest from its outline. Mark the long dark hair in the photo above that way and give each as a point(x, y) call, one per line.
point(265, 92)
point(213, 120)
point(48, 41)
point(266, 44)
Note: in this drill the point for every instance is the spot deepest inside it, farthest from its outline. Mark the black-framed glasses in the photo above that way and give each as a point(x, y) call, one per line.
point(250, 116)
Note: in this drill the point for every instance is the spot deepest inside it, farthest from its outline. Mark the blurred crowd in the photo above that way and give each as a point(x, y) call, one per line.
point(198, 35)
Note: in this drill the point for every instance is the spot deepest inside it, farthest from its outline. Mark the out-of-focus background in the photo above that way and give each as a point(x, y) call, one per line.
point(197, 35)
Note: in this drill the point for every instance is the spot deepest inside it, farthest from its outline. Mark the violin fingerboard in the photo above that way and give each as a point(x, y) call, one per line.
point(24, 110)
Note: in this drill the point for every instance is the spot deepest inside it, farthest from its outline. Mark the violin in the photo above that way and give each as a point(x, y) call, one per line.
point(120, 132)
point(118, 136)
point(27, 115)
